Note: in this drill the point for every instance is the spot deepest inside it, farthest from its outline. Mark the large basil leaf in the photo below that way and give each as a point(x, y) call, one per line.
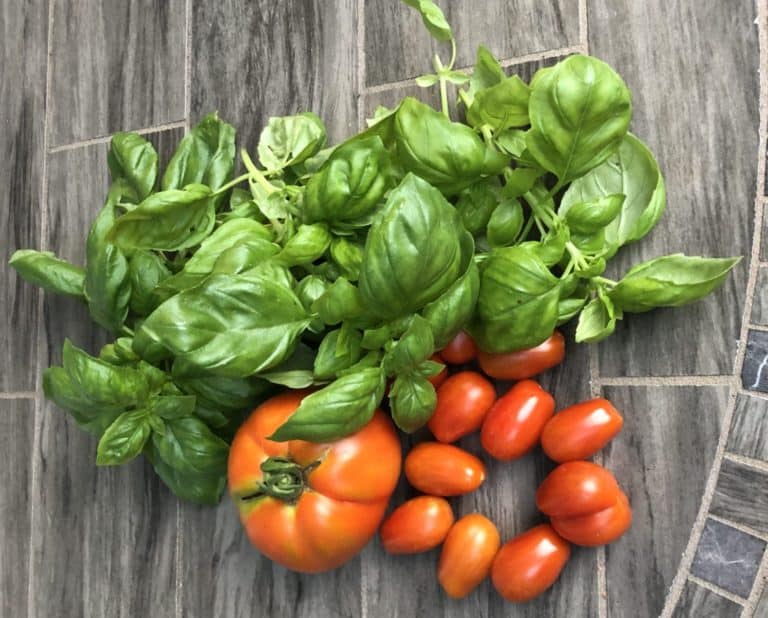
point(413, 400)
point(290, 139)
point(43, 268)
point(501, 106)
point(580, 110)
point(124, 439)
point(199, 488)
point(670, 281)
point(450, 312)
point(338, 350)
point(167, 221)
point(633, 172)
point(339, 409)
point(348, 188)
point(146, 270)
point(230, 325)
point(205, 156)
point(414, 251)
point(133, 159)
point(189, 446)
point(448, 155)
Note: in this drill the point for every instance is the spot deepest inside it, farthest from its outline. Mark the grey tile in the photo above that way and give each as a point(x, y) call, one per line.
point(16, 436)
point(727, 557)
point(761, 609)
point(706, 150)
point(741, 495)
point(764, 240)
point(22, 101)
point(298, 55)
point(117, 65)
point(749, 428)
point(754, 372)
point(702, 603)
point(760, 302)
point(662, 460)
point(397, 46)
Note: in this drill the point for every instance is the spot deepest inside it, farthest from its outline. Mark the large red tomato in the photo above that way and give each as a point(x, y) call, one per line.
point(311, 507)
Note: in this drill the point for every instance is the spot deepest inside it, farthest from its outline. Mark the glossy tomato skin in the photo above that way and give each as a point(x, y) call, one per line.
point(441, 377)
point(443, 469)
point(350, 482)
point(598, 528)
point(461, 349)
point(529, 564)
point(417, 525)
point(462, 403)
point(514, 424)
point(577, 488)
point(524, 363)
point(579, 431)
point(467, 555)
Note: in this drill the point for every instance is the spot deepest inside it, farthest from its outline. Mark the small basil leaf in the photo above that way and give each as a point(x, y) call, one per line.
point(375, 338)
point(597, 321)
point(520, 181)
point(348, 256)
point(340, 301)
point(567, 308)
point(589, 217)
point(476, 204)
point(198, 488)
point(43, 268)
point(450, 312)
point(433, 18)
point(370, 360)
point(290, 139)
point(172, 407)
point(341, 408)
point(295, 371)
point(415, 346)
point(309, 289)
point(133, 159)
point(594, 268)
point(156, 378)
point(428, 368)
point(487, 72)
point(413, 400)
point(505, 223)
point(308, 244)
point(146, 270)
point(501, 106)
point(338, 350)
point(124, 439)
point(426, 81)
point(190, 447)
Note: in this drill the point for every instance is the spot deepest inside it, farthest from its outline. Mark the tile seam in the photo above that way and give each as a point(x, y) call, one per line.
point(760, 327)
point(676, 588)
point(187, 64)
point(695, 380)
point(750, 462)
point(738, 526)
point(11, 395)
point(583, 26)
point(721, 592)
point(761, 581)
point(103, 139)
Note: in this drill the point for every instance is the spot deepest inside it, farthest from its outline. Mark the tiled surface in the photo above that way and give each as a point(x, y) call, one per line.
point(115, 543)
point(728, 558)
point(761, 609)
point(764, 240)
point(760, 302)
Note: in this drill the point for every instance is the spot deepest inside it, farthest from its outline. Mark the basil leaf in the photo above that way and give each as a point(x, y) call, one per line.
point(450, 312)
point(338, 350)
point(670, 281)
point(167, 221)
point(433, 18)
point(172, 406)
point(568, 308)
point(308, 244)
point(124, 439)
point(43, 268)
point(415, 250)
point(146, 270)
point(198, 488)
point(597, 321)
point(231, 393)
point(133, 159)
point(633, 172)
point(205, 156)
point(341, 408)
point(580, 110)
point(487, 72)
point(348, 256)
point(107, 286)
point(290, 139)
point(295, 371)
point(476, 204)
point(188, 446)
point(505, 223)
point(413, 400)
point(340, 301)
point(230, 325)
point(448, 155)
point(309, 289)
point(520, 181)
point(501, 106)
point(120, 352)
point(513, 142)
point(589, 217)
point(416, 345)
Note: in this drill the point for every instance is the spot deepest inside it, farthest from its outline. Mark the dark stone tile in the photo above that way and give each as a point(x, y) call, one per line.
point(699, 602)
point(754, 373)
point(760, 302)
point(22, 113)
point(741, 495)
point(117, 65)
point(17, 418)
point(706, 149)
point(749, 428)
point(727, 557)
point(662, 460)
point(397, 46)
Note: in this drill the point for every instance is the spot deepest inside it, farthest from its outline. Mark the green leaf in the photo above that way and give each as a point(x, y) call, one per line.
point(188, 446)
point(433, 18)
point(505, 223)
point(172, 406)
point(308, 244)
point(633, 172)
point(520, 181)
point(589, 217)
point(415, 250)
point(289, 140)
point(205, 156)
point(167, 221)
point(413, 400)
point(198, 488)
point(448, 155)
point(501, 106)
point(348, 256)
point(146, 271)
point(133, 159)
point(416, 345)
point(568, 308)
point(295, 371)
point(309, 289)
point(340, 301)
point(230, 325)
point(426, 81)
point(124, 439)
point(452, 311)
point(513, 143)
point(670, 281)
point(486, 73)
point(341, 408)
point(43, 268)
point(338, 350)
point(580, 110)
point(476, 204)
point(597, 321)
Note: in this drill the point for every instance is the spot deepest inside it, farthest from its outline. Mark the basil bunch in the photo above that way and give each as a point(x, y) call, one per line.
point(345, 268)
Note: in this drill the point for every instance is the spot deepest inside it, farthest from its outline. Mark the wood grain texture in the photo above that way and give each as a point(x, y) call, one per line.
point(117, 65)
point(706, 142)
point(741, 495)
point(397, 46)
point(749, 428)
point(761, 609)
point(760, 301)
point(252, 59)
point(16, 435)
point(764, 239)
point(22, 110)
point(662, 459)
point(702, 603)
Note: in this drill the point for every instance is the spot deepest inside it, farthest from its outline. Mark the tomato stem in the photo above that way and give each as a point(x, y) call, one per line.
point(284, 479)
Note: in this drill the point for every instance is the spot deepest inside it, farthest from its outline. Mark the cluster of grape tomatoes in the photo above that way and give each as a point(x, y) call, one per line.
point(583, 501)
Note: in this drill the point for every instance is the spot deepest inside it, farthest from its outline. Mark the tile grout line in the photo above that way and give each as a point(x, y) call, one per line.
point(759, 585)
point(749, 462)
point(668, 381)
point(103, 139)
point(760, 327)
point(41, 335)
point(187, 64)
point(737, 526)
point(678, 583)
point(583, 26)
point(754, 394)
point(18, 395)
point(721, 592)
